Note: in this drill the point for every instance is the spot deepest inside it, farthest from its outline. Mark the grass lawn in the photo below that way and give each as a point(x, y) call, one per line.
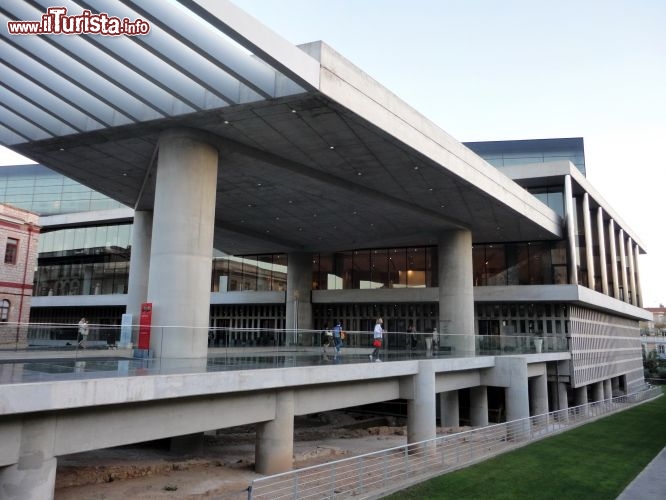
point(593, 462)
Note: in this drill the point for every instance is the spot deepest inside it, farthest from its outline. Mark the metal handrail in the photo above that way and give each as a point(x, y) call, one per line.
point(381, 472)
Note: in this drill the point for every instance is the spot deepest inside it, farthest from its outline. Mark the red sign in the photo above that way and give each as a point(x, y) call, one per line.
point(145, 320)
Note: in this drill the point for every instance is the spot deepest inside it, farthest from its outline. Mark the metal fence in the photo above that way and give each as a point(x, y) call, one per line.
point(375, 474)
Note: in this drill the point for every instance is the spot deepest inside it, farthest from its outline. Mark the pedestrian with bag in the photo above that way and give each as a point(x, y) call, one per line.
point(377, 337)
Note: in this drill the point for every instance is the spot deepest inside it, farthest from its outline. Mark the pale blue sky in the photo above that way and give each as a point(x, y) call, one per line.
point(520, 69)
point(491, 70)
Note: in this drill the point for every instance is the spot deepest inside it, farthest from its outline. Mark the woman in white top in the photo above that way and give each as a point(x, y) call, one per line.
point(377, 336)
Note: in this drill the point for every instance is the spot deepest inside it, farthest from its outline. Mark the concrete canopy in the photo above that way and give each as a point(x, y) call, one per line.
point(314, 154)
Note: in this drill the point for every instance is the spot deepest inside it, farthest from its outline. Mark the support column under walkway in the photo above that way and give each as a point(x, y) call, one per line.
point(34, 474)
point(274, 448)
point(420, 393)
point(182, 245)
point(449, 408)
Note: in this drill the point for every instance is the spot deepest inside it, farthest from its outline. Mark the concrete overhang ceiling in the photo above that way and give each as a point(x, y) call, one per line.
point(313, 154)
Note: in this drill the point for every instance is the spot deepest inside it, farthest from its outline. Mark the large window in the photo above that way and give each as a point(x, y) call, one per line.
point(410, 267)
point(84, 261)
point(534, 263)
point(11, 251)
point(249, 273)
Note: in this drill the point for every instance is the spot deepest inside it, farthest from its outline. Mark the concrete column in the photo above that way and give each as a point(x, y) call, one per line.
point(182, 245)
point(614, 275)
point(615, 386)
point(456, 291)
point(274, 448)
point(602, 251)
point(421, 410)
point(478, 406)
point(449, 409)
point(516, 391)
point(623, 266)
point(538, 387)
point(137, 286)
point(639, 288)
point(597, 391)
point(632, 272)
point(580, 394)
point(571, 230)
point(34, 474)
point(562, 396)
point(589, 253)
point(608, 389)
point(299, 305)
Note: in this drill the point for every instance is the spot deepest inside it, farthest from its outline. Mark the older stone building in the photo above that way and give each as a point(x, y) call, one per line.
point(19, 235)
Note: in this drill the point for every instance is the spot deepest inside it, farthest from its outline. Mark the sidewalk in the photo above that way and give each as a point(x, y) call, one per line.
point(649, 484)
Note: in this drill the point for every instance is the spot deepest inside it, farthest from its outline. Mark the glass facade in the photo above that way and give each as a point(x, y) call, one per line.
point(412, 267)
point(262, 273)
point(553, 196)
point(501, 154)
point(534, 263)
point(40, 190)
point(84, 261)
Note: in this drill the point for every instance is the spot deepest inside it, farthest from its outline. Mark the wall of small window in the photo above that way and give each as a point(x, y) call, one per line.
point(522, 318)
point(412, 267)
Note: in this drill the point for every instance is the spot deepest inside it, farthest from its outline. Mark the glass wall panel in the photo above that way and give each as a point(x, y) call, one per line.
point(361, 276)
point(479, 265)
point(249, 278)
point(496, 265)
point(539, 264)
point(279, 281)
point(89, 238)
point(264, 272)
point(379, 268)
point(398, 268)
point(112, 236)
point(220, 275)
point(556, 201)
point(316, 273)
point(416, 267)
point(235, 274)
point(432, 276)
point(517, 264)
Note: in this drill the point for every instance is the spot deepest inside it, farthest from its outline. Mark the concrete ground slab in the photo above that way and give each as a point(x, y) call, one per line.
point(649, 484)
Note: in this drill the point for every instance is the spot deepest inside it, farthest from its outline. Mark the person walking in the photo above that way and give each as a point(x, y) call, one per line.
point(327, 340)
point(83, 333)
point(337, 337)
point(377, 337)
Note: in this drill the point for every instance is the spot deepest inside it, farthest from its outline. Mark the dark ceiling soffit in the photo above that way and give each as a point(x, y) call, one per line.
point(229, 146)
point(235, 228)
